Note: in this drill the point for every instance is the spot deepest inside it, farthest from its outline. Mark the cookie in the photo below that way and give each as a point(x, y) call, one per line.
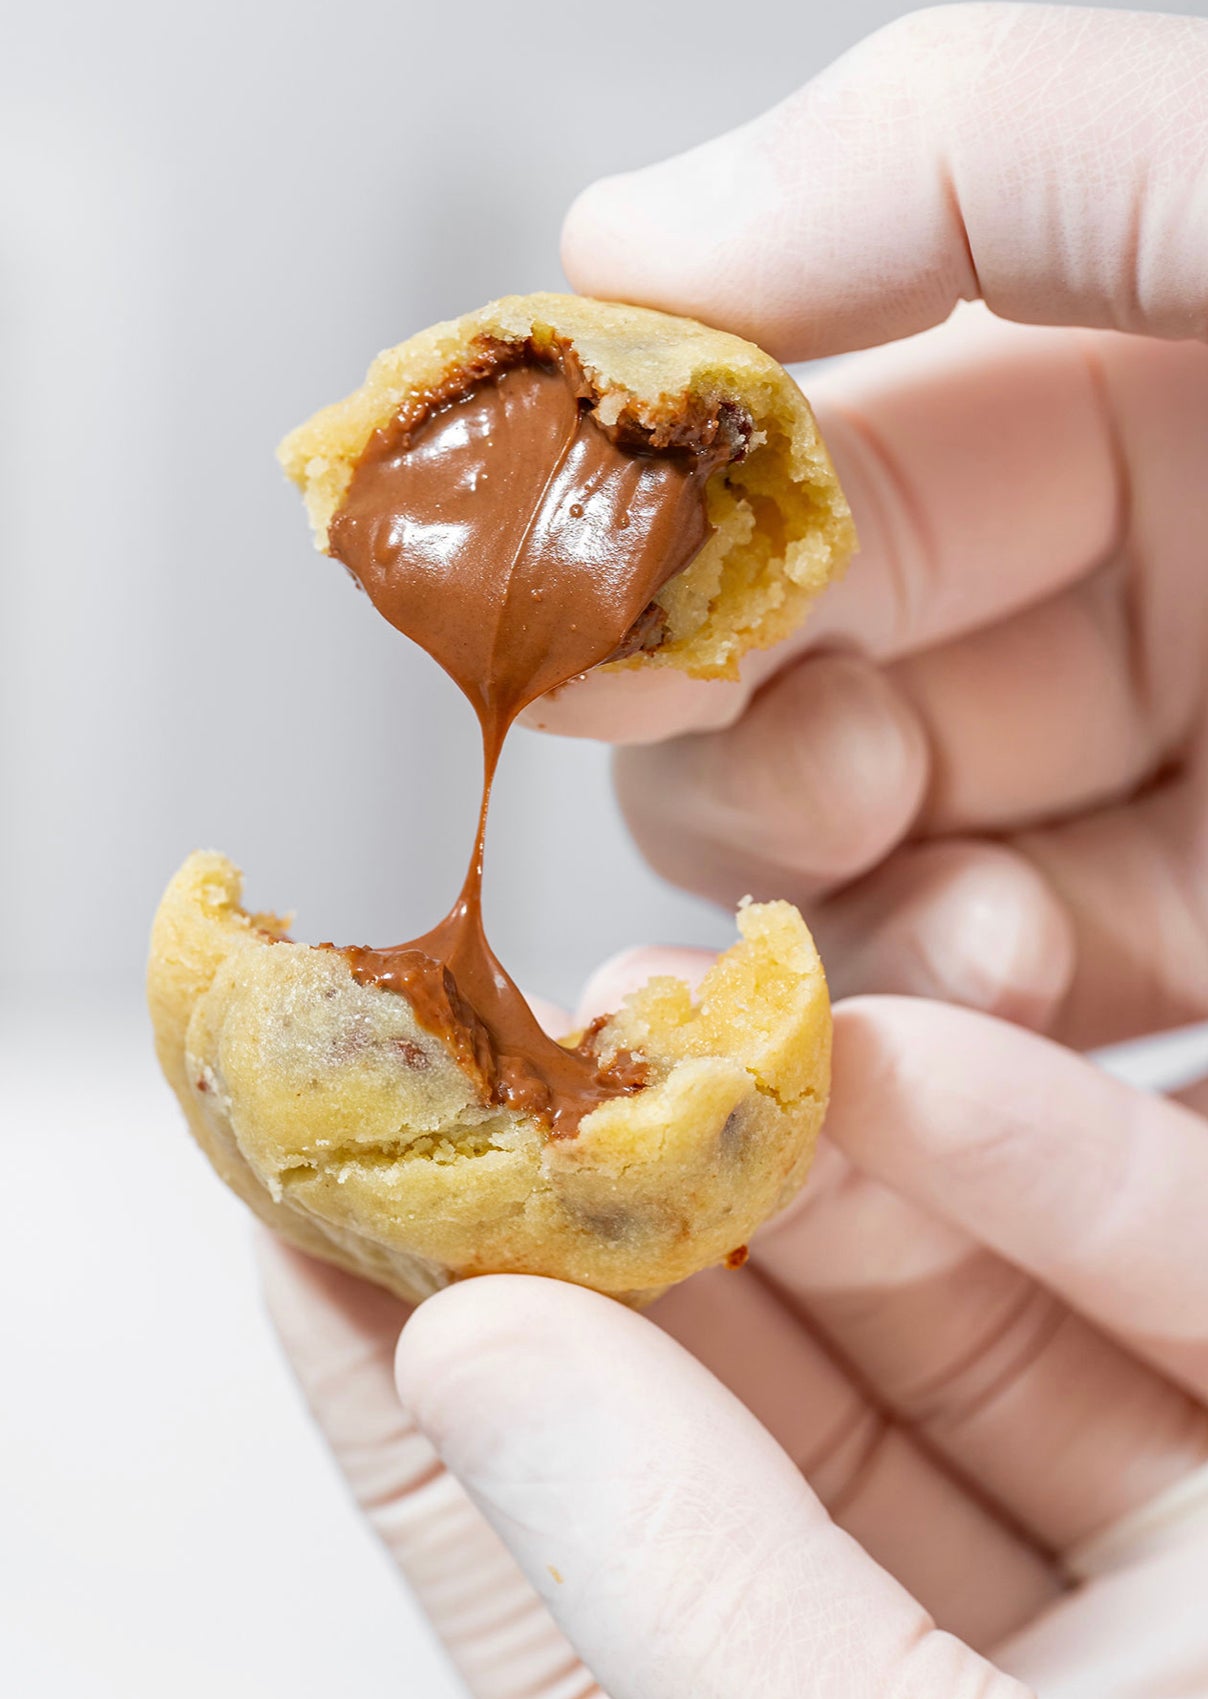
point(781, 526)
point(544, 486)
point(353, 1132)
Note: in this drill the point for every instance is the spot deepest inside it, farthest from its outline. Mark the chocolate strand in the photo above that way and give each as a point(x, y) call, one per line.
point(518, 543)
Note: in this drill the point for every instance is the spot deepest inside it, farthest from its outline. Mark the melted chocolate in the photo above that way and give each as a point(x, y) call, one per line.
point(508, 534)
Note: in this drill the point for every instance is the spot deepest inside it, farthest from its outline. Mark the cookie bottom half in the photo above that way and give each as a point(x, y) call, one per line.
point(355, 1134)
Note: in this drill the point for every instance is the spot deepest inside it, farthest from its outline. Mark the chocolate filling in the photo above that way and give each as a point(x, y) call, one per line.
point(520, 542)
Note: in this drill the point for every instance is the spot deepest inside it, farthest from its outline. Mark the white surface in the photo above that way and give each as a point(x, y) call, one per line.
point(171, 1524)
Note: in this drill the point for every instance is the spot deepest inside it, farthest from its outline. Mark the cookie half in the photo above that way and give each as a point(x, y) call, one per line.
point(355, 1134)
point(781, 527)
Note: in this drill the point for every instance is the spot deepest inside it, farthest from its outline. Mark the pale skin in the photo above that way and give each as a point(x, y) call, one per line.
point(858, 1468)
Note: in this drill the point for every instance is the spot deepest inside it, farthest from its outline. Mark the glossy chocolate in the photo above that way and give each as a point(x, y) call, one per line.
point(513, 538)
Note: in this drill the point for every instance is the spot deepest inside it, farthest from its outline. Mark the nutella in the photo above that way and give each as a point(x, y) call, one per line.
point(520, 543)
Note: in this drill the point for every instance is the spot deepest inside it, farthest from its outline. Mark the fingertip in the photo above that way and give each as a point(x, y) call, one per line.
point(1018, 949)
point(637, 706)
point(968, 923)
point(630, 969)
point(646, 236)
point(915, 1079)
point(430, 1355)
point(287, 1280)
point(635, 1492)
point(485, 1313)
point(274, 1259)
point(879, 1044)
point(595, 229)
point(471, 1355)
point(691, 234)
point(820, 779)
point(551, 1017)
point(858, 755)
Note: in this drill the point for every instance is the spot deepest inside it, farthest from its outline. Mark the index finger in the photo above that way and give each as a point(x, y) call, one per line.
point(1046, 159)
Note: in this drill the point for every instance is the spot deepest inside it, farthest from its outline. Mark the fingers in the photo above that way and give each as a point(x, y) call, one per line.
point(959, 921)
point(1094, 928)
point(1058, 709)
point(1047, 1415)
point(1053, 1421)
point(674, 1541)
point(906, 178)
point(1131, 881)
point(550, 1016)
point(981, 465)
point(637, 707)
point(822, 780)
point(1142, 1630)
point(1094, 1189)
point(968, 510)
point(1038, 716)
point(340, 1335)
point(976, 1577)
point(990, 468)
point(822, 776)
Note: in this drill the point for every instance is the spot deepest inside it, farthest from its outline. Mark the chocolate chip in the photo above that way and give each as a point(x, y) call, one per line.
point(734, 1135)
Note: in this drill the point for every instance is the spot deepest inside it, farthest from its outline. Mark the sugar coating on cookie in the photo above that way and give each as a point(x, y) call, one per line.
point(781, 527)
point(354, 1133)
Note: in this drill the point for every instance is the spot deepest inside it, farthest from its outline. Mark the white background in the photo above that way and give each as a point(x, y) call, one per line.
point(211, 217)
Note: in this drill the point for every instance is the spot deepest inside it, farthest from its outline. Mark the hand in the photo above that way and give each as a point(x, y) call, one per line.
point(982, 770)
point(978, 1339)
point(981, 1336)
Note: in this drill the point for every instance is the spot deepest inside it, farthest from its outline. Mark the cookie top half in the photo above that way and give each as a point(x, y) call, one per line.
point(780, 527)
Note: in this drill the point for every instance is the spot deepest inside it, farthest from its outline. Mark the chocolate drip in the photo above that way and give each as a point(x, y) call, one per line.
point(510, 535)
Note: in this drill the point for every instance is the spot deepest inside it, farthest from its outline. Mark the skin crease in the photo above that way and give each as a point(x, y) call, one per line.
point(980, 1336)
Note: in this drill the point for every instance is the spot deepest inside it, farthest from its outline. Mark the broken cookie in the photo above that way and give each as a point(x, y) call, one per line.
point(778, 527)
point(358, 1134)
point(546, 486)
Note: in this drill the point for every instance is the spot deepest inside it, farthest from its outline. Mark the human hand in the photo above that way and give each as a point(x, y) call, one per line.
point(982, 769)
point(978, 1340)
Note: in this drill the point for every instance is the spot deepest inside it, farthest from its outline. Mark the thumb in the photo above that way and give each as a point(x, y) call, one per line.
point(1048, 159)
point(678, 1547)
